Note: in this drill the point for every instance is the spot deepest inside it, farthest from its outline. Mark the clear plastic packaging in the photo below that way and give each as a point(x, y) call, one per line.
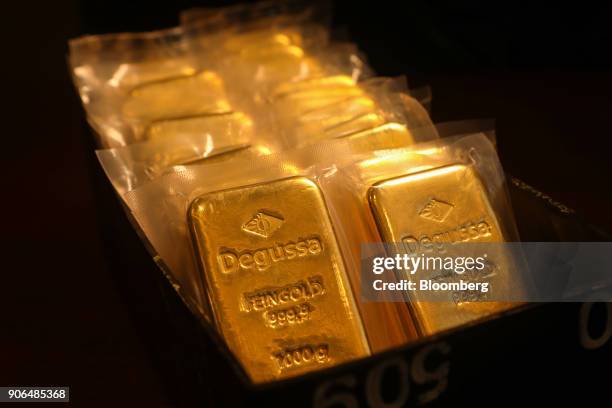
point(131, 82)
point(221, 137)
point(252, 76)
point(106, 69)
point(336, 109)
point(331, 96)
point(475, 150)
point(199, 94)
point(432, 196)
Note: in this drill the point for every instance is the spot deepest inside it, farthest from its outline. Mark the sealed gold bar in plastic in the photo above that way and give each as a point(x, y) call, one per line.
point(199, 94)
point(386, 122)
point(417, 212)
point(276, 279)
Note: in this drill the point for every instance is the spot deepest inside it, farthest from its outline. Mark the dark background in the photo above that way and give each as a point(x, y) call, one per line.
point(66, 317)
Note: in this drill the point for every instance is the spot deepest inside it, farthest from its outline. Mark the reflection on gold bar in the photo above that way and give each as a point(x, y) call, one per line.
point(174, 98)
point(444, 205)
point(235, 127)
point(276, 278)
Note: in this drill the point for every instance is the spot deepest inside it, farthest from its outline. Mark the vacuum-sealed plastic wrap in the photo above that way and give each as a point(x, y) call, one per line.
point(338, 97)
point(175, 98)
point(436, 195)
point(175, 142)
point(133, 74)
point(254, 75)
point(374, 114)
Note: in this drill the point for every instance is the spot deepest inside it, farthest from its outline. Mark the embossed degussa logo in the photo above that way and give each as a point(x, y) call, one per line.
point(436, 210)
point(262, 224)
point(469, 231)
point(262, 258)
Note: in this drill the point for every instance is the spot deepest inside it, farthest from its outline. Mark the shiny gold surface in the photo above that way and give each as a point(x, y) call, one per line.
point(174, 98)
point(234, 128)
point(446, 204)
point(276, 279)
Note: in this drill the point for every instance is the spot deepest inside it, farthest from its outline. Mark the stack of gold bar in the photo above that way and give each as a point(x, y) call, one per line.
point(285, 155)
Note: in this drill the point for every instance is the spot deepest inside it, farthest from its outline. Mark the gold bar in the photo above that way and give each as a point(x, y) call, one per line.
point(276, 279)
point(443, 205)
point(177, 97)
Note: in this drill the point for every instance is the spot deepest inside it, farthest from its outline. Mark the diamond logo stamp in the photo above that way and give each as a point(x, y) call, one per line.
point(436, 210)
point(262, 224)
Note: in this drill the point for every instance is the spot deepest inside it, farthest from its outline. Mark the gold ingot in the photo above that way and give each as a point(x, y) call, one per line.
point(276, 279)
point(234, 127)
point(442, 205)
point(179, 97)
